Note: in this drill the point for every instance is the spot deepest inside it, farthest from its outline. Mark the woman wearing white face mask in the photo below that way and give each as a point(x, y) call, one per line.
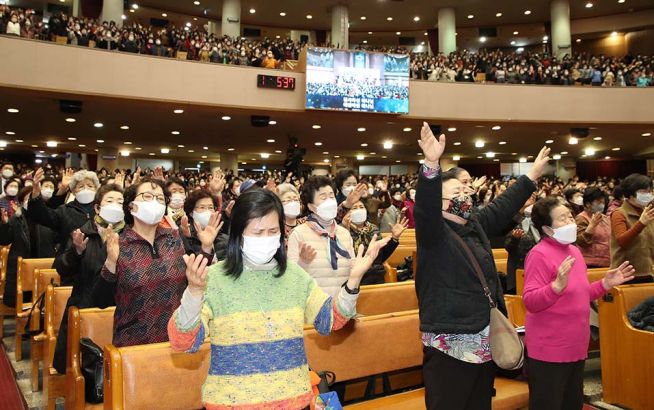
point(518, 243)
point(84, 257)
point(177, 190)
point(290, 198)
point(557, 296)
point(253, 307)
point(8, 202)
point(201, 209)
point(594, 229)
point(632, 230)
point(320, 246)
point(145, 263)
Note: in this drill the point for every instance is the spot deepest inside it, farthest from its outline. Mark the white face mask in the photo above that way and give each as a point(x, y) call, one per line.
point(47, 193)
point(578, 201)
point(644, 198)
point(412, 195)
point(7, 173)
point(565, 235)
point(359, 216)
point(112, 213)
point(149, 212)
point(347, 190)
point(327, 210)
point(202, 218)
point(11, 191)
point(85, 196)
point(597, 208)
point(237, 190)
point(177, 200)
point(292, 209)
point(397, 197)
point(260, 249)
point(371, 191)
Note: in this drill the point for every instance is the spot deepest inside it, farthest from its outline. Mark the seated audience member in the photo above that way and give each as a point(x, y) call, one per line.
point(320, 246)
point(363, 232)
point(632, 230)
point(575, 198)
point(146, 266)
point(86, 255)
point(177, 191)
point(8, 201)
point(518, 243)
point(257, 286)
point(408, 205)
point(290, 198)
point(594, 229)
point(393, 213)
point(351, 191)
point(557, 296)
point(201, 224)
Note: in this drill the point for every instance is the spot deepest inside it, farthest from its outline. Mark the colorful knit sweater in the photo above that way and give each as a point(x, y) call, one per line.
point(255, 324)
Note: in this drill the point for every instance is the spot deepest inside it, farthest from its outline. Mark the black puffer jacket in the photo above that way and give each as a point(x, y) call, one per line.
point(642, 315)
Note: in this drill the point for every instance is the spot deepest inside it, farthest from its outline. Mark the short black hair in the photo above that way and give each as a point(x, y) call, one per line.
point(450, 174)
point(342, 175)
point(617, 192)
point(541, 213)
point(568, 193)
point(194, 197)
point(592, 194)
point(634, 182)
point(52, 179)
point(313, 185)
point(456, 171)
point(105, 189)
point(254, 203)
point(174, 180)
point(10, 180)
point(130, 195)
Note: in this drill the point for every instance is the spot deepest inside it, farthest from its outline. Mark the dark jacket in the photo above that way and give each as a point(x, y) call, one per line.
point(451, 299)
point(642, 315)
point(518, 248)
point(63, 220)
point(88, 289)
point(194, 245)
point(375, 274)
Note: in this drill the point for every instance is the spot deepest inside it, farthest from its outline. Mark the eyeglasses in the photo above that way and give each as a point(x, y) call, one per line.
point(148, 196)
point(202, 208)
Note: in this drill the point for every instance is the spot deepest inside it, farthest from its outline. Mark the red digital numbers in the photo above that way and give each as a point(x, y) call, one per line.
point(271, 81)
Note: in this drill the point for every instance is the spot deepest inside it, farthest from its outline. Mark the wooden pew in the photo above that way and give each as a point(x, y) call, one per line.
point(501, 265)
point(387, 298)
point(396, 259)
point(627, 357)
point(408, 237)
point(4, 256)
point(97, 325)
point(516, 309)
point(55, 304)
point(593, 275)
point(500, 253)
point(24, 283)
point(42, 278)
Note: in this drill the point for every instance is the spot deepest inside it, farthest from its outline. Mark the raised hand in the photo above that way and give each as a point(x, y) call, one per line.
point(478, 182)
point(229, 207)
point(158, 174)
point(648, 215)
point(196, 274)
point(594, 221)
point(66, 177)
point(136, 177)
point(120, 179)
point(36, 182)
point(79, 241)
point(271, 185)
point(618, 276)
point(113, 249)
point(217, 184)
point(207, 235)
point(541, 161)
point(432, 148)
point(561, 281)
point(363, 262)
point(356, 194)
point(186, 227)
point(307, 253)
point(399, 227)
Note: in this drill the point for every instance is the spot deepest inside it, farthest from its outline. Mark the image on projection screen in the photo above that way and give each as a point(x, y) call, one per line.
point(355, 80)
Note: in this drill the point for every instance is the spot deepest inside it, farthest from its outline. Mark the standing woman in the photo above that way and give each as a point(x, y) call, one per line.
point(8, 201)
point(557, 296)
point(253, 306)
point(594, 229)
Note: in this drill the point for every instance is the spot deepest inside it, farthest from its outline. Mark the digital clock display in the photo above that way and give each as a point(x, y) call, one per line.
point(273, 81)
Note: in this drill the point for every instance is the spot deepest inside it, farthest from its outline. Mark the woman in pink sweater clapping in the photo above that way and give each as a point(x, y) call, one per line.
point(557, 296)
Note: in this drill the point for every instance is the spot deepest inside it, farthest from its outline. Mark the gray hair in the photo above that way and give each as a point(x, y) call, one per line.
point(80, 176)
point(286, 187)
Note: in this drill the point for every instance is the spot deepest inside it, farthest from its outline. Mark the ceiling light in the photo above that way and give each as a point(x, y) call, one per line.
point(188, 24)
point(230, 149)
point(621, 1)
point(515, 33)
point(457, 143)
point(10, 133)
point(426, 34)
point(180, 146)
point(205, 148)
point(646, 134)
point(388, 145)
point(589, 5)
point(252, 11)
point(98, 125)
point(578, 40)
point(370, 32)
point(523, 160)
point(573, 141)
point(12, 110)
point(165, 150)
point(124, 127)
point(325, 160)
point(512, 43)
point(520, 49)
point(363, 17)
point(272, 122)
point(278, 151)
point(317, 144)
point(614, 33)
point(82, 145)
point(365, 41)
point(490, 154)
point(19, 141)
point(325, 152)
point(264, 155)
point(597, 138)
point(135, 6)
point(191, 151)
point(398, 161)
point(130, 10)
point(164, 15)
point(416, 18)
point(589, 151)
point(549, 142)
point(372, 153)
point(398, 33)
point(607, 157)
point(178, 111)
point(34, 146)
point(564, 152)
point(545, 38)
point(615, 149)
point(389, 18)
point(496, 127)
point(3, 144)
point(364, 145)
point(51, 144)
point(226, 118)
point(527, 12)
point(72, 139)
point(361, 129)
point(99, 141)
point(498, 14)
point(451, 129)
point(407, 129)
point(479, 144)
point(482, 39)
point(480, 157)
point(456, 158)
point(502, 142)
point(124, 153)
point(151, 154)
point(556, 157)
point(174, 132)
point(283, 14)
point(270, 140)
point(360, 157)
point(471, 16)
point(309, 16)
point(316, 126)
point(70, 120)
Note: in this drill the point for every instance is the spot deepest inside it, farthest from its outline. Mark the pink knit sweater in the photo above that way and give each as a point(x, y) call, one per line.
point(557, 327)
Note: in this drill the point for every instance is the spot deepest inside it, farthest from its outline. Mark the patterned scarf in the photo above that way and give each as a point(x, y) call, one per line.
point(334, 246)
point(362, 235)
point(103, 225)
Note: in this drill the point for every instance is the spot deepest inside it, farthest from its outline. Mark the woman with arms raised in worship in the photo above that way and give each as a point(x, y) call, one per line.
point(253, 306)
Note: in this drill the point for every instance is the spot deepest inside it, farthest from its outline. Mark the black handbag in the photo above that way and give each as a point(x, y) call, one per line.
point(40, 303)
point(92, 370)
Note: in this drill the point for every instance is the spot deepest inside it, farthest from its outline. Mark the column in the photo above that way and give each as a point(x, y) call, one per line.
point(112, 10)
point(231, 18)
point(213, 27)
point(446, 30)
point(77, 8)
point(340, 27)
point(229, 161)
point(561, 38)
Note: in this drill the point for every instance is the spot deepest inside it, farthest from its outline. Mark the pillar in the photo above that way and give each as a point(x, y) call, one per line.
point(340, 27)
point(561, 37)
point(229, 161)
point(446, 30)
point(112, 10)
point(213, 27)
point(231, 16)
point(77, 8)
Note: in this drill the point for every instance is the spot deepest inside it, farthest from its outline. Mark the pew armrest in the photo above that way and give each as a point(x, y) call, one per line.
point(391, 273)
point(113, 371)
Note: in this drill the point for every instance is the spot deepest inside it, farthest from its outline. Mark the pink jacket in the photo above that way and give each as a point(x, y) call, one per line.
point(557, 327)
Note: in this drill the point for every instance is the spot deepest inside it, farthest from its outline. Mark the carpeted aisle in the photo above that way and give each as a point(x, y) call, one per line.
point(11, 397)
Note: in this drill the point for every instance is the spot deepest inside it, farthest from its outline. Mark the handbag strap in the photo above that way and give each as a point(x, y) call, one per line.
point(477, 269)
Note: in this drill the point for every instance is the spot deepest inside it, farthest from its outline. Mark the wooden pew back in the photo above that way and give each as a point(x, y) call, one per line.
point(25, 277)
point(408, 237)
point(516, 309)
point(387, 298)
point(4, 256)
point(500, 253)
point(55, 304)
point(397, 257)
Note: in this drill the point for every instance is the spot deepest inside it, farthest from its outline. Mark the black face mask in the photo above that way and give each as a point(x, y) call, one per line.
point(460, 206)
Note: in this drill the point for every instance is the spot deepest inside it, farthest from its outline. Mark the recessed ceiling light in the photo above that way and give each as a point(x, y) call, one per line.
point(646, 134)
point(278, 151)
point(325, 160)
point(364, 144)
point(597, 138)
point(614, 33)
point(19, 141)
point(188, 24)
point(12, 110)
point(556, 156)
point(309, 16)
point(471, 16)
point(398, 33)
point(621, 1)
point(496, 127)
point(490, 154)
point(607, 157)
point(317, 144)
point(230, 149)
point(180, 146)
point(482, 39)
point(578, 40)
point(480, 157)
point(164, 15)
point(502, 143)
point(416, 18)
point(165, 150)
point(191, 151)
point(178, 111)
point(523, 160)
point(527, 12)
point(252, 11)
point(272, 122)
point(479, 144)
point(264, 155)
point(363, 17)
point(549, 142)
point(372, 153)
point(70, 120)
point(397, 161)
point(589, 151)
point(451, 129)
point(365, 41)
point(283, 14)
point(82, 145)
point(34, 146)
point(270, 140)
point(456, 158)
point(545, 38)
point(426, 34)
point(515, 33)
point(226, 118)
point(325, 152)
point(388, 145)
point(389, 18)
point(589, 5)
point(316, 126)
point(512, 43)
point(360, 157)
point(10, 133)
point(174, 132)
point(72, 139)
point(99, 141)
point(564, 152)
point(124, 127)
point(384, 156)
point(573, 141)
point(135, 6)
point(498, 14)
point(98, 125)
point(407, 129)
point(151, 154)
point(615, 149)
point(138, 148)
point(361, 129)
point(124, 153)
point(197, 3)
point(457, 143)
point(51, 144)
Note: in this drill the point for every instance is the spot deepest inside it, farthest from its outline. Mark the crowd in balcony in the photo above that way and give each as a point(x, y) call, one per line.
point(195, 43)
